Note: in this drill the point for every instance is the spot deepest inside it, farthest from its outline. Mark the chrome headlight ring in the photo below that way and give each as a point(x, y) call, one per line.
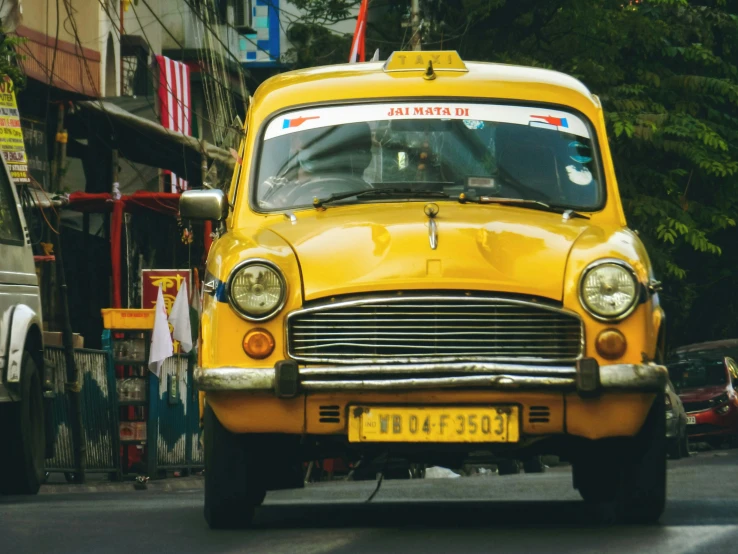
point(232, 289)
point(629, 307)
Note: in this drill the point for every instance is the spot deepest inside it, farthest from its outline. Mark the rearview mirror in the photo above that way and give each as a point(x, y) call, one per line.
point(203, 204)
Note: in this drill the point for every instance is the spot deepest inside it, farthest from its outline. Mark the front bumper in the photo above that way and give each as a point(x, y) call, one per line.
point(709, 423)
point(588, 379)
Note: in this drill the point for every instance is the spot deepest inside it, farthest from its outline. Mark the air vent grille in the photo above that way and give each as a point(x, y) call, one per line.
point(330, 414)
point(539, 414)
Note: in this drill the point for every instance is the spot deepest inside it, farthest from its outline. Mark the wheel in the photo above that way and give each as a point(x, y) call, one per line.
point(551, 460)
point(630, 472)
point(684, 445)
point(675, 448)
point(534, 465)
point(397, 473)
point(508, 467)
point(23, 435)
point(417, 471)
point(233, 484)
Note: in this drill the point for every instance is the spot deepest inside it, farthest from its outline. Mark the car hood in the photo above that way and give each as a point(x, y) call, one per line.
point(370, 247)
point(701, 394)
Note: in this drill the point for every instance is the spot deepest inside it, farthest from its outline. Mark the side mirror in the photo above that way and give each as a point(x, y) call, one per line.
point(203, 204)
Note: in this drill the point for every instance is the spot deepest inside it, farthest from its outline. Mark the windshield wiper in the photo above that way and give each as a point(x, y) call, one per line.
point(535, 204)
point(379, 193)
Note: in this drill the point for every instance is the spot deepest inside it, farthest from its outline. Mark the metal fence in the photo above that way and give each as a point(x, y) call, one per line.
point(99, 411)
point(173, 414)
point(178, 439)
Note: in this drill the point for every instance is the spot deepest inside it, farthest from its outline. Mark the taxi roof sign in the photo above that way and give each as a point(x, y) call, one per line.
point(418, 61)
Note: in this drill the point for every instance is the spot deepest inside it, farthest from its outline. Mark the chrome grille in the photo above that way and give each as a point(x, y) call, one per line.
point(433, 328)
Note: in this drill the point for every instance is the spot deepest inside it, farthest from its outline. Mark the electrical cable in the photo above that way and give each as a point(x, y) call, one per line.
point(380, 479)
point(151, 48)
point(238, 62)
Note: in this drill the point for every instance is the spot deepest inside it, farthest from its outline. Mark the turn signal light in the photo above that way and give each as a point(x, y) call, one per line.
point(258, 344)
point(610, 344)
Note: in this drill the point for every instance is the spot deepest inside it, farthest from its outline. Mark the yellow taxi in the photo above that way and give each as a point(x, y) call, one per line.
point(427, 260)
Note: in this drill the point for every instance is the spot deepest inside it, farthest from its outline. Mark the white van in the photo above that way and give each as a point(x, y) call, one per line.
point(23, 422)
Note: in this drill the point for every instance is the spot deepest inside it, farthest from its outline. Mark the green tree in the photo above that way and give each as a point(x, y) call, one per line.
point(9, 58)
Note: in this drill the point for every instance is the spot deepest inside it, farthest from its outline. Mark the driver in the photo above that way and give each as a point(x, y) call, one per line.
point(337, 150)
point(322, 162)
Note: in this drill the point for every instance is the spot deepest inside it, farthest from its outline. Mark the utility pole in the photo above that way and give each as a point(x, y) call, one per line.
point(415, 25)
point(72, 385)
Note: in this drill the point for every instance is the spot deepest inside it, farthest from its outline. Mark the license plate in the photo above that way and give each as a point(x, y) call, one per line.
point(442, 424)
point(691, 420)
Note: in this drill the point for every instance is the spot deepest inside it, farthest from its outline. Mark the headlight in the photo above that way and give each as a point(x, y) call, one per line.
point(722, 399)
point(256, 290)
point(609, 290)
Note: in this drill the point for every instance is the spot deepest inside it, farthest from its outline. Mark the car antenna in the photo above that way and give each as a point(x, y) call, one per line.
point(429, 74)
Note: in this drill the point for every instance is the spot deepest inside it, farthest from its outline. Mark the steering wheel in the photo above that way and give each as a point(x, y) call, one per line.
point(322, 187)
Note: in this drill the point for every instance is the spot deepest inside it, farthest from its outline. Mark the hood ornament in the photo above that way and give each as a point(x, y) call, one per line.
point(431, 210)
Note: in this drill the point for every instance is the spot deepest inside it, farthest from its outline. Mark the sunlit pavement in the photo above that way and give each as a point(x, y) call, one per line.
point(519, 513)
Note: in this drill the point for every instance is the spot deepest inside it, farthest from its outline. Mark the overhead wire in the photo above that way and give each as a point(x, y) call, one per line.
point(157, 78)
point(102, 107)
point(215, 125)
point(70, 11)
point(151, 48)
point(199, 15)
point(210, 50)
point(194, 11)
point(222, 99)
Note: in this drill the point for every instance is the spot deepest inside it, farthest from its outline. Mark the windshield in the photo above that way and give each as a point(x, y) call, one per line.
point(691, 374)
point(517, 152)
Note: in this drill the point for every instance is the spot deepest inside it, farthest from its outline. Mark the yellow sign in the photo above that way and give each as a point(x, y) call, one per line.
point(11, 135)
point(442, 424)
point(170, 281)
point(418, 61)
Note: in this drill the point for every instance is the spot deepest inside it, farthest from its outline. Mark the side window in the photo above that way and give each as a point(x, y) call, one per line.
point(10, 227)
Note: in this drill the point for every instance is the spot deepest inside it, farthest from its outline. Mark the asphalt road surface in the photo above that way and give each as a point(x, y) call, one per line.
point(520, 513)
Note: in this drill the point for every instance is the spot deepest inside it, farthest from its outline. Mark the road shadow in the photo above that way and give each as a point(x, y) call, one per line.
point(433, 514)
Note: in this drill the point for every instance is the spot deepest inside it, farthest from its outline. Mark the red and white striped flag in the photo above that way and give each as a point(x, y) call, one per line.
point(357, 45)
point(174, 107)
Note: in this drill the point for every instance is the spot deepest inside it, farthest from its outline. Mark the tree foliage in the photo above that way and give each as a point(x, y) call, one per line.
point(9, 60)
point(666, 73)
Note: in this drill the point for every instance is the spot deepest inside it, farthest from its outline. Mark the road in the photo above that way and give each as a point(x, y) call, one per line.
point(520, 513)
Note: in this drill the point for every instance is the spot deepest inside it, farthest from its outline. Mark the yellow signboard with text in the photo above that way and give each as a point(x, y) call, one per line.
point(11, 134)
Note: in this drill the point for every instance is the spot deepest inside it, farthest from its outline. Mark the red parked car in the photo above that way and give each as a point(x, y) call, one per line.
point(707, 389)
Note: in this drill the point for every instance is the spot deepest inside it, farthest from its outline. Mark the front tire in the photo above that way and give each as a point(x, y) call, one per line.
point(534, 465)
point(676, 448)
point(23, 435)
point(684, 445)
point(508, 466)
point(233, 484)
point(629, 472)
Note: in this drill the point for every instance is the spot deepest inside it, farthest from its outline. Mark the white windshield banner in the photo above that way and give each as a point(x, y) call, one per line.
point(316, 118)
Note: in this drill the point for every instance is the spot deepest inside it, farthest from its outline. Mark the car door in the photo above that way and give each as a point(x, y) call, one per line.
point(18, 280)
